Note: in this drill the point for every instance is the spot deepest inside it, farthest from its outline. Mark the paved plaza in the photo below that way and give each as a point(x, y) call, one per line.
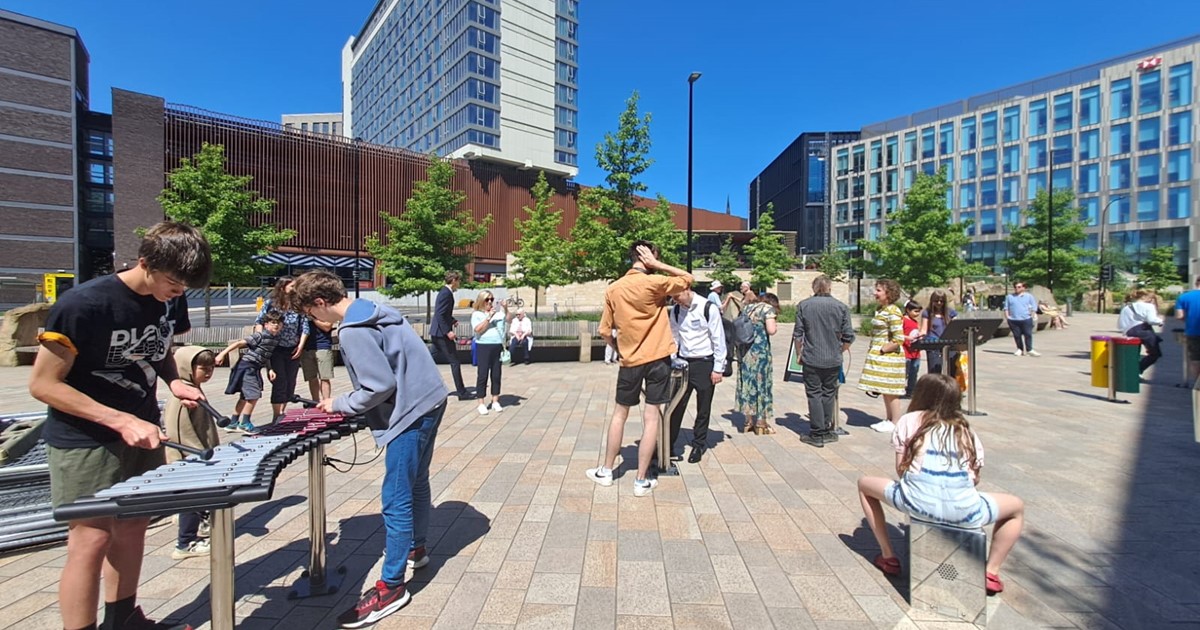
point(765, 532)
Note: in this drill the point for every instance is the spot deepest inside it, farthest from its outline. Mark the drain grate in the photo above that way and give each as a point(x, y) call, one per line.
point(947, 572)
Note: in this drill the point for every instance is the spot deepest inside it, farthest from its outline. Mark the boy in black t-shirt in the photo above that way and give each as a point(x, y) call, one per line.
point(245, 379)
point(105, 345)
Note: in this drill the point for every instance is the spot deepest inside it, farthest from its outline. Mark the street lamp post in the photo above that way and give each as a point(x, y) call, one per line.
point(1103, 221)
point(357, 231)
point(1050, 218)
point(691, 84)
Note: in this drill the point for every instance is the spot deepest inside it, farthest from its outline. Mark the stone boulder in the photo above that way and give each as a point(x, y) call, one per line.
point(20, 330)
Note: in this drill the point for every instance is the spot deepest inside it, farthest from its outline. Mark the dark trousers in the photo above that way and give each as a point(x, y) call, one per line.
point(1150, 342)
point(488, 359)
point(189, 525)
point(934, 360)
point(1022, 332)
point(525, 348)
point(912, 369)
point(699, 380)
point(286, 368)
point(447, 348)
point(820, 386)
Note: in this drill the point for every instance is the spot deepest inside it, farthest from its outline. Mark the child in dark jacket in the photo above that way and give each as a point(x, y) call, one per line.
point(190, 427)
point(398, 389)
point(245, 379)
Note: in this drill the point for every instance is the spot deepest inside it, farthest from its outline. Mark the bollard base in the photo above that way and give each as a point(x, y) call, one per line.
point(305, 588)
point(975, 413)
point(670, 471)
point(841, 431)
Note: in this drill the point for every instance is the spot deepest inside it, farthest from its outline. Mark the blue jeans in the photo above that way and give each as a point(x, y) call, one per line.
point(406, 497)
point(912, 369)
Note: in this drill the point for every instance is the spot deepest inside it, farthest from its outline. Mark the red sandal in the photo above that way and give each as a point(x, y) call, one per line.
point(994, 585)
point(889, 566)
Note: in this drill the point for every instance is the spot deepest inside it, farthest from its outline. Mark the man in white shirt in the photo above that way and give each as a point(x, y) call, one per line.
point(714, 295)
point(522, 338)
point(1138, 319)
point(700, 336)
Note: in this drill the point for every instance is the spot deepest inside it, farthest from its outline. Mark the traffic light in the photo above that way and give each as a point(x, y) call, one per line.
point(1106, 272)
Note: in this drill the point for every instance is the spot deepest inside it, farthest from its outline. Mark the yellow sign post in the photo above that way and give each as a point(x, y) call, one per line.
point(55, 283)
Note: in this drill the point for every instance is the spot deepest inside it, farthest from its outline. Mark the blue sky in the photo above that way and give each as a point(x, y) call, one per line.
point(772, 69)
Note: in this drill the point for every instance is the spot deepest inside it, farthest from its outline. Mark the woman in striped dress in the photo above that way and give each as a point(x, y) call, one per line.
point(884, 370)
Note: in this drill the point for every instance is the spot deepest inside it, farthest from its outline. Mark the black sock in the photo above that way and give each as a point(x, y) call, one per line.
point(90, 626)
point(115, 613)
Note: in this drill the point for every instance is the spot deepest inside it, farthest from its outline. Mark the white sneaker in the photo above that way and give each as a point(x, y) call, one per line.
point(641, 489)
point(195, 549)
point(496, 407)
point(604, 479)
point(1018, 353)
point(884, 426)
point(1034, 353)
point(483, 409)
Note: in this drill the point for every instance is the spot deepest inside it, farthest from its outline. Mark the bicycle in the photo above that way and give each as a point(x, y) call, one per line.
point(514, 301)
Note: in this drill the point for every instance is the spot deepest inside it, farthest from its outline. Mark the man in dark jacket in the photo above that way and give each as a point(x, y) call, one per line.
point(441, 332)
point(823, 332)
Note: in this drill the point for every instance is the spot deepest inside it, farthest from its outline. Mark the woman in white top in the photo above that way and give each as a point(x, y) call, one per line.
point(489, 325)
point(1138, 319)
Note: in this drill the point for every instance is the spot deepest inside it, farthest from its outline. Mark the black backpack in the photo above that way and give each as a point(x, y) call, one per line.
point(725, 325)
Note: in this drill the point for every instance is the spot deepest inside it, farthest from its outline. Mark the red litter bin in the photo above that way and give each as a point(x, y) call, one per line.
point(1127, 353)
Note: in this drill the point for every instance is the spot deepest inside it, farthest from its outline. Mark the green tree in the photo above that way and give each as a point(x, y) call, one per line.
point(200, 192)
point(541, 254)
point(1159, 270)
point(834, 263)
point(611, 216)
point(922, 246)
point(769, 257)
point(726, 266)
point(1027, 245)
point(433, 235)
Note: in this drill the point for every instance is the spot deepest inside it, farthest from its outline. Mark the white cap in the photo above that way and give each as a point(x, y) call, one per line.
point(716, 284)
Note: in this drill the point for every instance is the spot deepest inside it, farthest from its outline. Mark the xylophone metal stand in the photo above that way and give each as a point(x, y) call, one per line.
point(316, 581)
point(678, 382)
point(971, 382)
point(220, 561)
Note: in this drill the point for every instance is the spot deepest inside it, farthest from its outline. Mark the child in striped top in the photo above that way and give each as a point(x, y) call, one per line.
point(938, 460)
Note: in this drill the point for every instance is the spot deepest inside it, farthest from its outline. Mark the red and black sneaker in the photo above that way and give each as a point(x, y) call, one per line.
point(375, 604)
point(137, 621)
point(418, 558)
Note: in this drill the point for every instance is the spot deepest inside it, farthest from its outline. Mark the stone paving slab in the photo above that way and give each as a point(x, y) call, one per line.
point(765, 532)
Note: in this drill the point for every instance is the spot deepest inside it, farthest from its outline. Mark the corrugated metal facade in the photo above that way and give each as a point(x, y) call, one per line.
point(312, 179)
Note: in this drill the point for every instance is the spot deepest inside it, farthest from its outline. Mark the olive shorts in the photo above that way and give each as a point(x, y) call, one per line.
point(76, 473)
point(317, 364)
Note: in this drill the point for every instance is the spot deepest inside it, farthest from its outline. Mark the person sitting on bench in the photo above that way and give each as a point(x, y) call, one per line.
point(938, 459)
point(520, 344)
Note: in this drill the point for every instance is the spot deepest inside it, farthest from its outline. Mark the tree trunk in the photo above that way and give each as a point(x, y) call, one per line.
point(535, 301)
point(207, 306)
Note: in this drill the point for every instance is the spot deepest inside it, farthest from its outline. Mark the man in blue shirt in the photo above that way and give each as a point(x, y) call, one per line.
point(1020, 308)
point(1187, 308)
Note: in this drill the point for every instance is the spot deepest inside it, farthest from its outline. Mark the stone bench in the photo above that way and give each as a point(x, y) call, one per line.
point(946, 570)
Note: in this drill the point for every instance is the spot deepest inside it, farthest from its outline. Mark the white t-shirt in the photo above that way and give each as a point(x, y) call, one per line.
point(907, 426)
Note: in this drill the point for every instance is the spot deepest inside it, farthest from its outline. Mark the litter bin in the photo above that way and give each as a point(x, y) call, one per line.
point(1100, 360)
point(1127, 353)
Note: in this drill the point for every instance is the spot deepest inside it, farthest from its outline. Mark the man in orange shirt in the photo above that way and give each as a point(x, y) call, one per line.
point(634, 306)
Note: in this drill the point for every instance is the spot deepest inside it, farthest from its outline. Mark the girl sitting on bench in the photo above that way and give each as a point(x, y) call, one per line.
point(938, 459)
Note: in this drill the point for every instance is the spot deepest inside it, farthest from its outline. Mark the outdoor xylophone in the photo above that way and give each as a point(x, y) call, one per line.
point(235, 473)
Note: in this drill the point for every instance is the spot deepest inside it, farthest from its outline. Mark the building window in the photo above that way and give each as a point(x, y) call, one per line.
point(1118, 212)
point(1011, 189)
point(893, 151)
point(1149, 132)
point(877, 154)
point(1149, 92)
point(1179, 166)
point(1037, 154)
point(967, 220)
point(565, 139)
point(843, 213)
point(949, 197)
point(1179, 129)
point(1012, 123)
point(948, 167)
point(1119, 175)
point(1089, 178)
point(987, 163)
point(1037, 118)
point(1034, 183)
point(565, 157)
point(987, 192)
point(1012, 159)
point(987, 222)
point(1179, 202)
point(1120, 139)
point(987, 129)
point(858, 162)
point(1062, 112)
point(893, 181)
point(857, 187)
point(967, 166)
point(1147, 205)
point(843, 162)
point(968, 134)
point(1089, 106)
point(927, 143)
point(910, 176)
point(875, 183)
point(966, 196)
point(567, 50)
point(1089, 144)
point(1012, 218)
point(100, 173)
point(929, 168)
point(1088, 209)
point(1121, 95)
point(1148, 167)
point(100, 143)
point(1062, 149)
point(946, 138)
point(910, 146)
point(1062, 178)
point(1179, 85)
point(874, 208)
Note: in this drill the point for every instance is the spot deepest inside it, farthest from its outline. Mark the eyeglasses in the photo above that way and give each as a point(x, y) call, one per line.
point(489, 299)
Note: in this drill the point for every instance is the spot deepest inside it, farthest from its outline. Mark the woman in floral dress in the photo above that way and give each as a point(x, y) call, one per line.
point(884, 370)
point(755, 399)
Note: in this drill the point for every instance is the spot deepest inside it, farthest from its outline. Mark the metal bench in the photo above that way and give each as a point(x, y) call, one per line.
point(946, 570)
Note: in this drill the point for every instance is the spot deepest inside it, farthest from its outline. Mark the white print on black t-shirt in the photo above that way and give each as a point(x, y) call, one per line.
point(142, 348)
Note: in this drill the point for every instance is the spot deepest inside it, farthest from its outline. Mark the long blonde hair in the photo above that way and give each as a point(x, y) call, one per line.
point(939, 397)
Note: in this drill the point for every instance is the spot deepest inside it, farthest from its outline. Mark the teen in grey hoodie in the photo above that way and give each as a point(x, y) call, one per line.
point(398, 389)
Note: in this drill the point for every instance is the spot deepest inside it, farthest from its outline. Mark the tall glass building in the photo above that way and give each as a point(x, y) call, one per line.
point(1120, 134)
point(474, 79)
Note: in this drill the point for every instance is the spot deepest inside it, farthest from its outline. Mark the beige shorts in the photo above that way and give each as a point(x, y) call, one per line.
point(317, 364)
point(76, 473)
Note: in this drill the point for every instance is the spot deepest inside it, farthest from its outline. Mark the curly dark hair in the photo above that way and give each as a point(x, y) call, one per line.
point(891, 289)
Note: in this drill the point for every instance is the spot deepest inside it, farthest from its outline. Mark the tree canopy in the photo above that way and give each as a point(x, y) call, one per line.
point(769, 257)
point(1028, 245)
point(541, 257)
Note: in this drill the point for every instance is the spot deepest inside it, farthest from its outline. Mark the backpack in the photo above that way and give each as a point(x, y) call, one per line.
point(725, 332)
point(743, 334)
